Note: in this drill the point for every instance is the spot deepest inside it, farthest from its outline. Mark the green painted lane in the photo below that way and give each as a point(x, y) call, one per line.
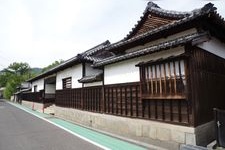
point(97, 137)
point(102, 139)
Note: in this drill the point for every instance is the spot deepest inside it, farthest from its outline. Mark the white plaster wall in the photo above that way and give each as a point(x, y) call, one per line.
point(214, 46)
point(50, 88)
point(39, 83)
point(75, 72)
point(91, 71)
point(125, 71)
point(93, 84)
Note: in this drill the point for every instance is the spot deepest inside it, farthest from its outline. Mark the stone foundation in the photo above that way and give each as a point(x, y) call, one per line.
point(155, 133)
point(33, 105)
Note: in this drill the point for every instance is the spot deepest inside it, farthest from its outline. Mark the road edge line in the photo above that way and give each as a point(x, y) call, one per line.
point(83, 138)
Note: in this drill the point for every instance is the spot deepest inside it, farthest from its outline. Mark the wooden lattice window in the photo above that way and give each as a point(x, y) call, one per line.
point(67, 83)
point(163, 80)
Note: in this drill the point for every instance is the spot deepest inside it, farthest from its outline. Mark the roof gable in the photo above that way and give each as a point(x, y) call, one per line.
point(179, 21)
point(155, 17)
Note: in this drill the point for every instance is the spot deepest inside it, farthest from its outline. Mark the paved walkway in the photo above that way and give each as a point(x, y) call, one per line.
point(101, 140)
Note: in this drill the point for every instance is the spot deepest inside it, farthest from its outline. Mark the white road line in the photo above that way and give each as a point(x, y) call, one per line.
point(92, 142)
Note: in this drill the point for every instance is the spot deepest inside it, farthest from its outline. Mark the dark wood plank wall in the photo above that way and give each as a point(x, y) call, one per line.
point(166, 110)
point(71, 98)
point(87, 98)
point(207, 82)
point(32, 97)
point(163, 91)
point(123, 100)
point(92, 98)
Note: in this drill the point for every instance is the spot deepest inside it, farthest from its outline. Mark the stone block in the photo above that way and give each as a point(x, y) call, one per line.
point(163, 134)
point(145, 130)
point(152, 132)
point(178, 136)
point(138, 130)
point(190, 139)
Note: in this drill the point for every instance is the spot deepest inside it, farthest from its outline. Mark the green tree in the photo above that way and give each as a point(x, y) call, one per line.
point(13, 76)
point(20, 68)
point(4, 77)
point(11, 86)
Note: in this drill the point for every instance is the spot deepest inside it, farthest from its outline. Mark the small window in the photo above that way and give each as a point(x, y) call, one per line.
point(35, 88)
point(67, 83)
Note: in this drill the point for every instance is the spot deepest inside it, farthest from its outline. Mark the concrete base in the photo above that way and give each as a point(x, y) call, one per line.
point(35, 106)
point(156, 133)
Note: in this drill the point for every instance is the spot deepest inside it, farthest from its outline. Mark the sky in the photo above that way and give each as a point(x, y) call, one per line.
point(41, 31)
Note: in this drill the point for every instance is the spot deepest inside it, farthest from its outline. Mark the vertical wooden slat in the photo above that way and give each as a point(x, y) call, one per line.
point(149, 109)
point(125, 98)
point(147, 81)
point(160, 80)
point(101, 99)
point(163, 109)
point(164, 71)
point(131, 100)
point(96, 99)
point(136, 98)
point(175, 78)
point(156, 109)
point(170, 80)
point(156, 82)
point(121, 100)
point(107, 100)
point(116, 100)
point(180, 78)
point(103, 110)
point(152, 87)
point(112, 101)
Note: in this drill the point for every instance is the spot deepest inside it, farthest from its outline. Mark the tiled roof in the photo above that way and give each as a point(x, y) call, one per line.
point(154, 8)
point(154, 17)
point(151, 49)
point(95, 49)
point(168, 58)
point(193, 15)
point(23, 90)
point(92, 78)
point(88, 55)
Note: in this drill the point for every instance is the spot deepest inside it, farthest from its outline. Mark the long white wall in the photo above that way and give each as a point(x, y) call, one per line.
point(75, 72)
point(99, 83)
point(125, 71)
point(214, 46)
point(39, 83)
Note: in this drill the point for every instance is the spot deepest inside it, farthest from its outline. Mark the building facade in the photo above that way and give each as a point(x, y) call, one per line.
point(158, 84)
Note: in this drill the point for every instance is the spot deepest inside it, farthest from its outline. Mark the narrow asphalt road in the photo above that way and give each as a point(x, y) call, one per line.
point(22, 131)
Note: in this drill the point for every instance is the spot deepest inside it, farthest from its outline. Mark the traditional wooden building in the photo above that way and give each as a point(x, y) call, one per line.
point(74, 73)
point(160, 83)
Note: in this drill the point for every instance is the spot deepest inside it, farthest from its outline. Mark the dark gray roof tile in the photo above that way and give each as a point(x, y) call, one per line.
point(92, 78)
point(88, 55)
point(181, 16)
point(151, 49)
